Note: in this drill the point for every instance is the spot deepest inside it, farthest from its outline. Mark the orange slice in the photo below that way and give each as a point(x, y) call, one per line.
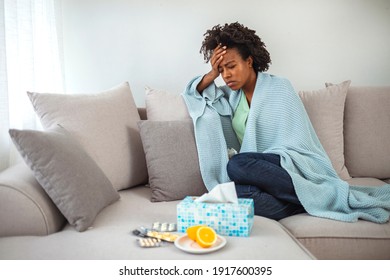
point(191, 232)
point(206, 236)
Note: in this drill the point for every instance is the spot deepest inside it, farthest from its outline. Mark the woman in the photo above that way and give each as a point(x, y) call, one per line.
point(281, 163)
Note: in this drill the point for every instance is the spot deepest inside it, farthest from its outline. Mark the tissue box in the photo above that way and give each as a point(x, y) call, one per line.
point(230, 219)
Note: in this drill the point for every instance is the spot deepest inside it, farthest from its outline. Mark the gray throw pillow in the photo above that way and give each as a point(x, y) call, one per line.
point(71, 178)
point(172, 159)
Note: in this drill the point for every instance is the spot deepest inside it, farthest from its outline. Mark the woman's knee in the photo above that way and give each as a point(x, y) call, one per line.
point(231, 166)
point(235, 167)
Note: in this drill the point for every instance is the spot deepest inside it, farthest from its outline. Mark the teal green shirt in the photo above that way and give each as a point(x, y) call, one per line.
point(240, 117)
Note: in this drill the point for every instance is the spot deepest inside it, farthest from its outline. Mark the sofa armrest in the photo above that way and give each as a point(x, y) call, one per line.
point(25, 208)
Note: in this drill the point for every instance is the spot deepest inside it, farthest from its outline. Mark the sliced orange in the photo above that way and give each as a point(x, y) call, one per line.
point(206, 236)
point(191, 232)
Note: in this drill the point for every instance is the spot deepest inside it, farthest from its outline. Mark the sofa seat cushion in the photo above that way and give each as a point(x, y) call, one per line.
point(111, 237)
point(25, 208)
point(330, 239)
point(366, 181)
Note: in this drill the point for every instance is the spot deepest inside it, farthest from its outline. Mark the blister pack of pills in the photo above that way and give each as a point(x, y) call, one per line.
point(165, 227)
point(149, 242)
point(141, 232)
point(166, 236)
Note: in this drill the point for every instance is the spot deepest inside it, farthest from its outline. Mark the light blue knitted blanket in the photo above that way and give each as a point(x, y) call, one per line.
point(278, 123)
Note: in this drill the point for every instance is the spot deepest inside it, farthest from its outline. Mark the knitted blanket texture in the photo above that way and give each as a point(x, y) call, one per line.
point(278, 123)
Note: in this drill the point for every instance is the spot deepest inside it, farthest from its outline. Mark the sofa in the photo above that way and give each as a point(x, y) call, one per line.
point(101, 168)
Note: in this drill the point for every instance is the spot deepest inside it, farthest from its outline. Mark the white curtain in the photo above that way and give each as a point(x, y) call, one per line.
point(31, 59)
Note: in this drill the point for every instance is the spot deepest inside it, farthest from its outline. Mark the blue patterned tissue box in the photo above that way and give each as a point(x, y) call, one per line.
point(230, 219)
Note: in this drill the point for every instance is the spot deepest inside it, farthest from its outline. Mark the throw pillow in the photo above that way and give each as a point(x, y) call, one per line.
point(70, 177)
point(172, 159)
point(325, 108)
point(367, 131)
point(105, 124)
point(164, 106)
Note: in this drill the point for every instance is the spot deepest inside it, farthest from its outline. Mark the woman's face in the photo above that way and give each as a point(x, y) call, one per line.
point(235, 71)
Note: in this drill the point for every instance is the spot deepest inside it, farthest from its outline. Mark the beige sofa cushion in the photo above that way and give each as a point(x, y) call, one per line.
point(105, 124)
point(111, 238)
point(331, 239)
point(367, 132)
point(164, 106)
point(325, 108)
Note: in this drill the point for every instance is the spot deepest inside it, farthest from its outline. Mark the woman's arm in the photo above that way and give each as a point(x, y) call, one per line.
point(215, 60)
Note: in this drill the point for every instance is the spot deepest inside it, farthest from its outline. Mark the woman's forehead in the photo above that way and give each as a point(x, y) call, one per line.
point(231, 55)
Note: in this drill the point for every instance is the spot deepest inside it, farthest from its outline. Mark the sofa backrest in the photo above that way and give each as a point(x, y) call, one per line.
point(367, 132)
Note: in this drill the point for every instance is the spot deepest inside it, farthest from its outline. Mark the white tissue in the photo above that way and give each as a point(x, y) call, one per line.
point(221, 193)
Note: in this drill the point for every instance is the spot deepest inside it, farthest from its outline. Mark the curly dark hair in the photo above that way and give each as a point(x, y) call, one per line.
point(236, 35)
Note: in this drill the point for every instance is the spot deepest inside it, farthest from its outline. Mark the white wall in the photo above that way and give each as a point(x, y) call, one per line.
point(157, 42)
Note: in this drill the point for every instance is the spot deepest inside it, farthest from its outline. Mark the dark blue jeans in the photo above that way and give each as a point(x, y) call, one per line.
point(261, 177)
